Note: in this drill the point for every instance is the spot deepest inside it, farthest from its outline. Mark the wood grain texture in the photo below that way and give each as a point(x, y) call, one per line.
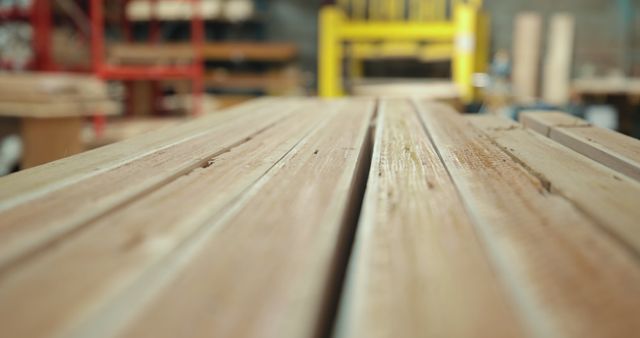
point(615, 150)
point(286, 235)
point(115, 252)
point(27, 184)
point(542, 122)
point(602, 193)
point(63, 208)
point(566, 276)
point(416, 247)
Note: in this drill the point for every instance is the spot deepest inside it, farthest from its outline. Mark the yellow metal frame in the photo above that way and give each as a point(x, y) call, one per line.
point(382, 31)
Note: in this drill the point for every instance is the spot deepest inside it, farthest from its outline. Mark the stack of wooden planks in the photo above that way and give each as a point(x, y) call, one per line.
point(52, 108)
point(310, 218)
point(46, 95)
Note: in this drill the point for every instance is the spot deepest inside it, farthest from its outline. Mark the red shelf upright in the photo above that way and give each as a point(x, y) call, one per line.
point(193, 72)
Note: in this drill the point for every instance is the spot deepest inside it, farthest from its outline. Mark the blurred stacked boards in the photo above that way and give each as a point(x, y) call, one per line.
point(231, 10)
point(52, 108)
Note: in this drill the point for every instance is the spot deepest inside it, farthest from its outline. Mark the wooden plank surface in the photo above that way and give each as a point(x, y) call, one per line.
point(615, 150)
point(142, 233)
point(39, 218)
point(607, 196)
point(416, 246)
point(287, 235)
point(241, 224)
point(27, 184)
point(39, 86)
point(543, 122)
point(221, 51)
point(46, 140)
point(58, 109)
point(566, 276)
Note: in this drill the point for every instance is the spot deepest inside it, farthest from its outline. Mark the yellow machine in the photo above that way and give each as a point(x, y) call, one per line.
point(426, 29)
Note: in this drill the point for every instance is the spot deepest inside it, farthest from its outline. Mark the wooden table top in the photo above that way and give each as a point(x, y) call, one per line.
point(311, 218)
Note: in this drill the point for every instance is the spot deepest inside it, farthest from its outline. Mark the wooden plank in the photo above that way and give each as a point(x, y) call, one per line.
point(58, 109)
point(287, 236)
point(270, 81)
point(567, 277)
point(526, 56)
point(615, 150)
point(32, 86)
point(34, 221)
point(24, 185)
point(46, 140)
point(251, 51)
point(558, 61)
point(416, 247)
point(542, 122)
point(115, 252)
point(607, 196)
point(221, 51)
point(606, 86)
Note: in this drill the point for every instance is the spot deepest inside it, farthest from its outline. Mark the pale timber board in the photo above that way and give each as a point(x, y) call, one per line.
point(70, 286)
point(58, 108)
point(46, 217)
point(21, 86)
point(543, 122)
point(567, 276)
point(26, 184)
point(416, 248)
point(558, 61)
point(617, 151)
point(526, 56)
point(268, 270)
point(600, 192)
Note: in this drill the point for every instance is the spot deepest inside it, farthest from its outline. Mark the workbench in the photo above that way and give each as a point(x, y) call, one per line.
point(310, 218)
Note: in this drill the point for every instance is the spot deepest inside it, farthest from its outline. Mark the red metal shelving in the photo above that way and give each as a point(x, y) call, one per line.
point(193, 71)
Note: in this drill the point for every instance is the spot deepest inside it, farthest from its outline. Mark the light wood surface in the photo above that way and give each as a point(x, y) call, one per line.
point(542, 247)
point(222, 51)
point(46, 140)
point(617, 151)
point(414, 246)
point(604, 194)
point(49, 211)
point(527, 40)
point(356, 217)
point(558, 62)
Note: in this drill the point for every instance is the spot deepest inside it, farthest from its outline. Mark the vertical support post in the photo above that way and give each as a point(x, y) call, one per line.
point(482, 51)
point(466, 20)
point(97, 36)
point(330, 61)
point(197, 40)
point(41, 21)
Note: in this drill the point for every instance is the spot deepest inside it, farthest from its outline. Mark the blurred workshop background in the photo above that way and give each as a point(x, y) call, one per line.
point(79, 74)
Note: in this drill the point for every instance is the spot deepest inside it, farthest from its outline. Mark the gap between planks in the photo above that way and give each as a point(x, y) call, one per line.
point(107, 283)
